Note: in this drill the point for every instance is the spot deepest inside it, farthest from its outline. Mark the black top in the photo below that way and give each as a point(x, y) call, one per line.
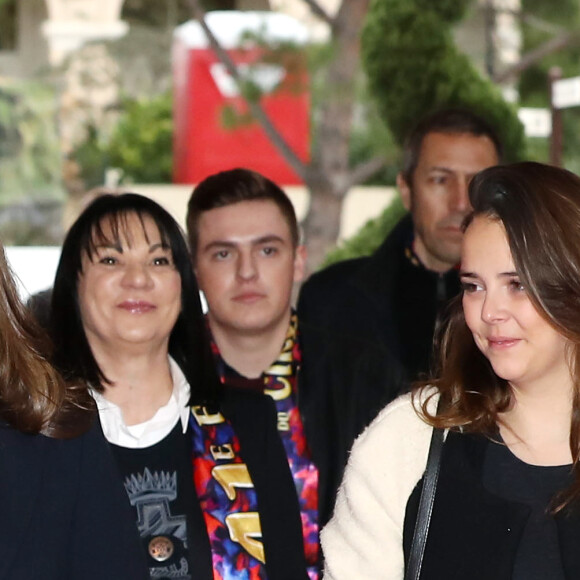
point(159, 482)
point(476, 533)
point(253, 419)
point(538, 556)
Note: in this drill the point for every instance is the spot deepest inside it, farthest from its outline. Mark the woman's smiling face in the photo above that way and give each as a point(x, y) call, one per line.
point(522, 347)
point(129, 290)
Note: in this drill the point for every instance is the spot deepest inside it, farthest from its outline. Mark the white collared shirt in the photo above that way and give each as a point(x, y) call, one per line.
point(153, 430)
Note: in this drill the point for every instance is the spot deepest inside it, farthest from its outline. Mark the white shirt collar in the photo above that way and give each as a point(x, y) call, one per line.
point(153, 430)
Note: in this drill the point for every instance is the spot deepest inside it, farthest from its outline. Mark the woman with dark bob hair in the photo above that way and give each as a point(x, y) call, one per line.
point(507, 395)
point(64, 513)
point(203, 466)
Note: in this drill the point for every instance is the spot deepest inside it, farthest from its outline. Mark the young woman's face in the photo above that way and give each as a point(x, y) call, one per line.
point(130, 292)
point(522, 347)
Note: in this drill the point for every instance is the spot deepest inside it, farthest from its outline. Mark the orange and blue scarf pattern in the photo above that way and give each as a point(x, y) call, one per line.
point(227, 497)
point(280, 383)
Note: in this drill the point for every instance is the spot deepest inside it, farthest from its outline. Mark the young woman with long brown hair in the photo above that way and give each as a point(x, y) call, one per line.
point(508, 396)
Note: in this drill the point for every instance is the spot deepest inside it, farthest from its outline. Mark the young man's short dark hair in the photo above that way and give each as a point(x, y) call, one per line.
point(234, 186)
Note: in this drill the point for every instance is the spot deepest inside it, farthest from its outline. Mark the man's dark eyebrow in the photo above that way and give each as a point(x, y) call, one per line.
point(450, 171)
point(443, 169)
point(269, 238)
point(219, 244)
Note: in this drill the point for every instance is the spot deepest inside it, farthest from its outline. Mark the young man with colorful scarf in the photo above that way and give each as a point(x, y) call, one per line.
point(244, 239)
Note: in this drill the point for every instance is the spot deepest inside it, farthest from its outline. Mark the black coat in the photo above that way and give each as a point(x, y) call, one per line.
point(473, 533)
point(384, 298)
point(342, 384)
point(64, 512)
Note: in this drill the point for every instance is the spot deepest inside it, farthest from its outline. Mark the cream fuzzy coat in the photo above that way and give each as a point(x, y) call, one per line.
point(364, 538)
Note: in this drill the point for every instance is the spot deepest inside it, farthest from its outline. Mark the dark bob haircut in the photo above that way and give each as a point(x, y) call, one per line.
point(188, 342)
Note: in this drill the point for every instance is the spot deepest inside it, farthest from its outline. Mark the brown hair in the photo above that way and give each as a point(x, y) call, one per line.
point(234, 186)
point(539, 207)
point(33, 396)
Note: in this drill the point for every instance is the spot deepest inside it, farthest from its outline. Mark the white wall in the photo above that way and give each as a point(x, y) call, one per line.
point(34, 267)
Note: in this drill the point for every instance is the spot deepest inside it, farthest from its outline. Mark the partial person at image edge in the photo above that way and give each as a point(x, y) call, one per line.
point(64, 514)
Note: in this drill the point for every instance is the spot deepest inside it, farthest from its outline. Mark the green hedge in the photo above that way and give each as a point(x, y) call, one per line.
point(414, 67)
point(141, 144)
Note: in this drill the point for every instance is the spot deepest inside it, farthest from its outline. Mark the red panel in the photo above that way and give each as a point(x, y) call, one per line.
point(203, 146)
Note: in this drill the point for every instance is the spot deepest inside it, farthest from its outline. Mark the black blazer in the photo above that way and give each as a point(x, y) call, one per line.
point(64, 512)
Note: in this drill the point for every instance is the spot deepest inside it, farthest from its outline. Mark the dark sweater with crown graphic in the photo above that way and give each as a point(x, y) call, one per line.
point(158, 481)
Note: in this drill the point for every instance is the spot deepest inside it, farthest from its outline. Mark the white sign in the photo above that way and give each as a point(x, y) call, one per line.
point(266, 76)
point(566, 93)
point(536, 122)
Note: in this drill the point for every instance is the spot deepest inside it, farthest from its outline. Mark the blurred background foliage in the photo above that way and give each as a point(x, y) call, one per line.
point(142, 141)
point(30, 163)
point(412, 65)
point(541, 24)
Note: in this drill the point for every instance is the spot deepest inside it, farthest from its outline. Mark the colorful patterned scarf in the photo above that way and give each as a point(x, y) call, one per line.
point(280, 382)
point(227, 497)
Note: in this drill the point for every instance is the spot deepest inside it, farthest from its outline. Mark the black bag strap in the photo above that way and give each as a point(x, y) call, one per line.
point(413, 571)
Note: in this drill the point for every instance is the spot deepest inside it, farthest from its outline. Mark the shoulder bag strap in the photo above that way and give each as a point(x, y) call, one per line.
point(413, 571)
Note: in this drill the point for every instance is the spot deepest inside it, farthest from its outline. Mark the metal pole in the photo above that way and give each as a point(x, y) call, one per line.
point(556, 139)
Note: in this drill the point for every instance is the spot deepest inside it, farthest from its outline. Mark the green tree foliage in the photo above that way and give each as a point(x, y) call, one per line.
point(30, 164)
point(141, 143)
point(414, 67)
